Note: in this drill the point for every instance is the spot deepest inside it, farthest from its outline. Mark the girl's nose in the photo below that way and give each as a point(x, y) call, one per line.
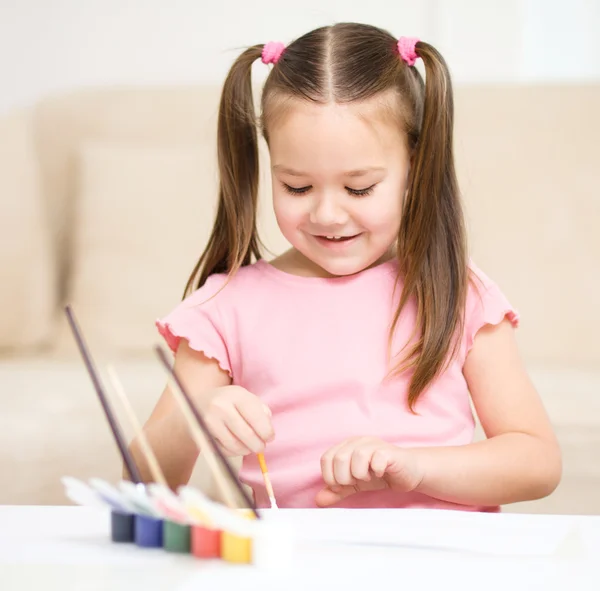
point(328, 212)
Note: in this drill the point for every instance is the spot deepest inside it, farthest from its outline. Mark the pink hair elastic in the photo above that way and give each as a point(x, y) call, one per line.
point(272, 52)
point(406, 49)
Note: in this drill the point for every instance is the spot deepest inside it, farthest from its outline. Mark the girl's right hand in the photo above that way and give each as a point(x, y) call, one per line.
point(238, 420)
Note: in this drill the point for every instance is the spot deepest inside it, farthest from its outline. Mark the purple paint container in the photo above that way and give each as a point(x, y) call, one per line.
point(148, 532)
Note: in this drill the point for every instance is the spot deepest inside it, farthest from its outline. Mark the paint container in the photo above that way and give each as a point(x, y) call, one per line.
point(206, 542)
point(137, 497)
point(83, 494)
point(236, 548)
point(112, 497)
point(122, 527)
point(102, 495)
point(148, 532)
point(176, 537)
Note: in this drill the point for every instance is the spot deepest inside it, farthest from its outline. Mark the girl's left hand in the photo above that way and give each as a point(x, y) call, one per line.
point(365, 464)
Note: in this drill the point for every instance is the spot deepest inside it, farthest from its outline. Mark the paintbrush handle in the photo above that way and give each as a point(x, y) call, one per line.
point(203, 428)
point(112, 421)
point(152, 460)
point(203, 446)
point(265, 472)
point(262, 463)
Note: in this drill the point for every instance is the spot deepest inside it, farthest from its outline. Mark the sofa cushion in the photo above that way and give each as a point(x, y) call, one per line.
point(151, 115)
point(528, 164)
point(144, 214)
point(27, 261)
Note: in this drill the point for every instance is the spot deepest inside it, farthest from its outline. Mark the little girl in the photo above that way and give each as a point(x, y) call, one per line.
point(351, 359)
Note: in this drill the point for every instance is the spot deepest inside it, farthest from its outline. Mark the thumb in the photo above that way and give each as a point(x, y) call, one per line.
point(330, 495)
point(267, 410)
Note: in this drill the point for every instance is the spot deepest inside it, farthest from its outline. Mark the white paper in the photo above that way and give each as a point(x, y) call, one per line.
point(442, 531)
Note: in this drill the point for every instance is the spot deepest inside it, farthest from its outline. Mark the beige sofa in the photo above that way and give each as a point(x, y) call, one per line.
point(107, 197)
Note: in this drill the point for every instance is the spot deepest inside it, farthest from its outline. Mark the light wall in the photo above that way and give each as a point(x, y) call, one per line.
point(48, 46)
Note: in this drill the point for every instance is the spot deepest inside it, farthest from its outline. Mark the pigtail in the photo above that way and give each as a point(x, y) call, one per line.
point(234, 237)
point(432, 239)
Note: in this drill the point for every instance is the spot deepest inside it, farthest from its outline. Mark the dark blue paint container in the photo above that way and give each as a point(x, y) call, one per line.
point(122, 527)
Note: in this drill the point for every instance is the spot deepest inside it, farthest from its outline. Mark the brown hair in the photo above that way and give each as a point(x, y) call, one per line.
point(344, 63)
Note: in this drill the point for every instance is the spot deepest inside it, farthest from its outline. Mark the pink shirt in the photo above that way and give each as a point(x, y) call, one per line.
point(315, 350)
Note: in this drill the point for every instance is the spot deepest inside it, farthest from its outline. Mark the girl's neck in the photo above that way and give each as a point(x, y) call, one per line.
point(295, 263)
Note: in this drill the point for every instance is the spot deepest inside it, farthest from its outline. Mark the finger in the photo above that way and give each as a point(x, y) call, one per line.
point(328, 496)
point(379, 463)
point(327, 464)
point(233, 446)
point(226, 439)
point(342, 472)
point(236, 423)
point(258, 416)
point(360, 463)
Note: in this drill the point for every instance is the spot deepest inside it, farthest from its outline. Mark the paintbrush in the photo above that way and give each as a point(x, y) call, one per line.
point(202, 445)
point(153, 465)
point(203, 436)
point(267, 479)
point(128, 460)
point(165, 500)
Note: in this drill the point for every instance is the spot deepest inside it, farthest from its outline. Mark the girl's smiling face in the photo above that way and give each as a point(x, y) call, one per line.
point(339, 177)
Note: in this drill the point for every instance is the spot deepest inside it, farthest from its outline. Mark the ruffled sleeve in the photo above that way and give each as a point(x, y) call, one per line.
point(486, 304)
point(199, 320)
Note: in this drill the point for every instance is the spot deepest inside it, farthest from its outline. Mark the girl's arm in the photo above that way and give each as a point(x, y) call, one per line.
point(166, 428)
point(521, 458)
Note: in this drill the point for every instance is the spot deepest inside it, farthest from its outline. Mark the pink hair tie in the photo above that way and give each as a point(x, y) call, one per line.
point(272, 52)
point(406, 49)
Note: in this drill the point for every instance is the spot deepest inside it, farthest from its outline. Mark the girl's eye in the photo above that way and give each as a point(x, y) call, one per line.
point(303, 190)
point(360, 192)
point(297, 190)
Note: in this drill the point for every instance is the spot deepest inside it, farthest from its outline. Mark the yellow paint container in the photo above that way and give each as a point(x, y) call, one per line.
point(234, 548)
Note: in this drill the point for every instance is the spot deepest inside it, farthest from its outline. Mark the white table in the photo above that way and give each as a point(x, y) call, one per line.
point(66, 548)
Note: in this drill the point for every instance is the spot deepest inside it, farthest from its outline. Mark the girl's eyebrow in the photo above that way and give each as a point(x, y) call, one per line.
point(352, 173)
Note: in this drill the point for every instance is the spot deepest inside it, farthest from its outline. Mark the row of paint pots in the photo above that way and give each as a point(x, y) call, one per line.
point(152, 516)
point(201, 542)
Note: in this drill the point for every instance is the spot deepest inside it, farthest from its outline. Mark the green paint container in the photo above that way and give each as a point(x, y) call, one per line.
point(176, 537)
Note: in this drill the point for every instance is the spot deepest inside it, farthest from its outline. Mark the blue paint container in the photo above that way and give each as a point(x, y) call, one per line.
point(148, 531)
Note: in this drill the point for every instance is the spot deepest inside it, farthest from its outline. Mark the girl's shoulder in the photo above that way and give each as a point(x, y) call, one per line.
point(223, 288)
point(486, 304)
point(204, 317)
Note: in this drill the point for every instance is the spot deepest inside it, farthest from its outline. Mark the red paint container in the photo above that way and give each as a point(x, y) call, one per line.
point(206, 542)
